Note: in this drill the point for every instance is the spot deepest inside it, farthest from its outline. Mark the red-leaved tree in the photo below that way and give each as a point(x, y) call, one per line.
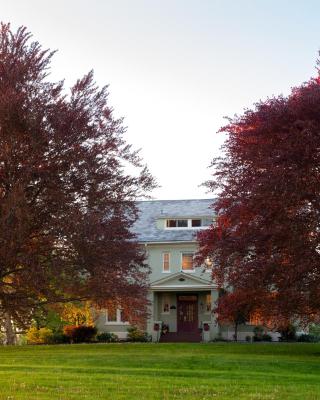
point(233, 309)
point(66, 201)
point(265, 241)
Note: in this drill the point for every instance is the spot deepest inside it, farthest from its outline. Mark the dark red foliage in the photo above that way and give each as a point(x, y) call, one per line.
point(66, 201)
point(233, 308)
point(265, 241)
point(80, 333)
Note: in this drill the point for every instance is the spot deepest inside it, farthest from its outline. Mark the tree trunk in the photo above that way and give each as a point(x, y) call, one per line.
point(10, 334)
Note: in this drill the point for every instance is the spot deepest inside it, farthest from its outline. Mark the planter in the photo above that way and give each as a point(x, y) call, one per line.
point(206, 327)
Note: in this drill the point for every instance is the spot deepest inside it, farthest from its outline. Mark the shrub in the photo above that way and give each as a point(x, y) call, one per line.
point(257, 333)
point(22, 339)
point(39, 336)
point(59, 338)
point(107, 337)
point(266, 337)
point(288, 333)
point(137, 335)
point(314, 330)
point(248, 338)
point(164, 329)
point(260, 335)
point(2, 338)
point(308, 338)
point(80, 333)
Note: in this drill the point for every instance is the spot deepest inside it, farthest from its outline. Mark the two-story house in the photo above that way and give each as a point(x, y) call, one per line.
point(181, 296)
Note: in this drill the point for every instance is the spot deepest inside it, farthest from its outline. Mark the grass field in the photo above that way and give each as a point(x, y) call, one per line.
point(161, 371)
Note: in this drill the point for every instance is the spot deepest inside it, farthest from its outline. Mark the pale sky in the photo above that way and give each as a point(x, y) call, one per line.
point(175, 68)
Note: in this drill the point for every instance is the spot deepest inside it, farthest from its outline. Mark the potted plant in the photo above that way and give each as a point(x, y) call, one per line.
point(165, 329)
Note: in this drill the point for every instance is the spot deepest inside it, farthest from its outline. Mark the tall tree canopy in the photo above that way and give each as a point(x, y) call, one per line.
point(265, 241)
point(66, 200)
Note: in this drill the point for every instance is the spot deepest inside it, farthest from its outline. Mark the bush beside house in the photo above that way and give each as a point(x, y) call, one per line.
point(107, 337)
point(80, 333)
point(39, 336)
point(137, 335)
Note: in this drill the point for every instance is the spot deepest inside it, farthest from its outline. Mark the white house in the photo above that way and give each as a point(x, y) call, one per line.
point(181, 296)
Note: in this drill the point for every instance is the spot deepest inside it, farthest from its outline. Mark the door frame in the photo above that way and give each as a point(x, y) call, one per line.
point(196, 310)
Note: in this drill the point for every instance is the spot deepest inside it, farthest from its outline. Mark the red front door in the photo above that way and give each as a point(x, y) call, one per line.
point(187, 313)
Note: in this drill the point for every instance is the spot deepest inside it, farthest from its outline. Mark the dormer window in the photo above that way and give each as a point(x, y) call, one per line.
point(177, 223)
point(195, 223)
point(184, 223)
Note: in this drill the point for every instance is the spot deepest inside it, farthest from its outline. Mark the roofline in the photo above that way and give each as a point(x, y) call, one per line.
point(182, 288)
point(186, 216)
point(169, 241)
point(197, 279)
point(152, 201)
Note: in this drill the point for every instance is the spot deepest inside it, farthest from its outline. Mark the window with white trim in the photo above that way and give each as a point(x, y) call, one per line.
point(165, 304)
point(195, 223)
point(111, 315)
point(187, 262)
point(177, 223)
point(185, 223)
point(208, 264)
point(165, 262)
point(207, 309)
point(115, 316)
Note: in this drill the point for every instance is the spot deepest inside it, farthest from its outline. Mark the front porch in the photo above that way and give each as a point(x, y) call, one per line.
point(181, 309)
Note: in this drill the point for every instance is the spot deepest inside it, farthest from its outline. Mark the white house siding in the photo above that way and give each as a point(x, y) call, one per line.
point(118, 329)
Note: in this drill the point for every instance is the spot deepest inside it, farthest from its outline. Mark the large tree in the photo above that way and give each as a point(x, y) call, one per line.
point(66, 201)
point(265, 241)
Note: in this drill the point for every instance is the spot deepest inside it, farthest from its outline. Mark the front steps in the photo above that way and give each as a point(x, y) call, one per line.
point(181, 337)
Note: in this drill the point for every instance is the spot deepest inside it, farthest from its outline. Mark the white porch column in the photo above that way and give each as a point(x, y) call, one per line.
point(150, 321)
point(214, 327)
point(153, 315)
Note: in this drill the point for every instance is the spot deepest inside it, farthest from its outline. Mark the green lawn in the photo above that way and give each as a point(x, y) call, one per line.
point(161, 371)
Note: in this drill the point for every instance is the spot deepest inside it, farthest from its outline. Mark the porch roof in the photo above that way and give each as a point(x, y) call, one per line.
point(183, 282)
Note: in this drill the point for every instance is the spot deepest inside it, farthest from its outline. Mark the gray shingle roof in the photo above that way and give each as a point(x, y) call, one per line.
point(146, 228)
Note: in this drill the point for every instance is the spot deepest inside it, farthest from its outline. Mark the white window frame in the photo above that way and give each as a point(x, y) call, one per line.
point(177, 227)
point(185, 227)
point(165, 296)
point(207, 268)
point(118, 319)
point(187, 271)
point(169, 262)
point(205, 304)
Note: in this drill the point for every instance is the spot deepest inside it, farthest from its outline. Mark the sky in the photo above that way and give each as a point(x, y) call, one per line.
point(176, 68)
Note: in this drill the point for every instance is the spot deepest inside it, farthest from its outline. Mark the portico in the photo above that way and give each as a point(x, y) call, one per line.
point(182, 304)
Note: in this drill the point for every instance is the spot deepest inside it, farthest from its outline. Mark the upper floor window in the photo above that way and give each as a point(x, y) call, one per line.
point(195, 223)
point(208, 264)
point(184, 223)
point(166, 262)
point(187, 262)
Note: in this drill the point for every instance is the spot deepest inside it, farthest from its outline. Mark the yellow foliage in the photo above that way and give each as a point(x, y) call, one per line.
point(77, 313)
point(39, 336)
